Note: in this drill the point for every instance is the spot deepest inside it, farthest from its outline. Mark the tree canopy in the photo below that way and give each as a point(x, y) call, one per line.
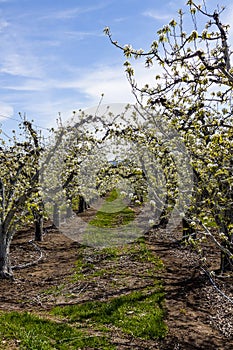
point(192, 91)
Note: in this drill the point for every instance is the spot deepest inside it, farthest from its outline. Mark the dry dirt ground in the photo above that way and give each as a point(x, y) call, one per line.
point(198, 317)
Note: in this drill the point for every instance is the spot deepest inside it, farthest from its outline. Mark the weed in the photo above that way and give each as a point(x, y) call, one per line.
point(81, 270)
point(55, 290)
point(183, 311)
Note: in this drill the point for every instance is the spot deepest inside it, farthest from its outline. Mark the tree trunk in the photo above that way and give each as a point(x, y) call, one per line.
point(5, 265)
point(56, 215)
point(226, 264)
point(188, 230)
point(38, 222)
point(82, 205)
point(69, 210)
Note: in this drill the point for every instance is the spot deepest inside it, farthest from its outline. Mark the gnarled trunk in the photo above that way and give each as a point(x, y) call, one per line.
point(38, 222)
point(226, 264)
point(5, 265)
point(82, 205)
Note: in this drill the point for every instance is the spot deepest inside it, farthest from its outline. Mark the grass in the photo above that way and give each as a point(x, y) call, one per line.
point(81, 270)
point(111, 253)
point(35, 333)
point(137, 251)
point(113, 212)
point(138, 314)
point(113, 195)
point(113, 224)
point(122, 217)
point(55, 290)
point(90, 324)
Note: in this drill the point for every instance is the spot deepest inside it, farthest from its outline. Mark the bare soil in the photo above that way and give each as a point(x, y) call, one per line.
point(197, 315)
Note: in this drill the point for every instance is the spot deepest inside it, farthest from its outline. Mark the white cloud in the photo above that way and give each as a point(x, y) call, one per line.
point(120, 19)
point(20, 65)
point(80, 35)
point(157, 15)
point(3, 24)
point(5, 110)
point(73, 12)
point(110, 81)
point(92, 83)
point(46, 97)
point(85, 88)
point(47, 112)
point(32, 85)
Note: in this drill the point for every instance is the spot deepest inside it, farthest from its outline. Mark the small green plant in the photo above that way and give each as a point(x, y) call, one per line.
point(183, 311)
point(82, 269)
point(111, 252)
point(139, 251)
point(55, 290)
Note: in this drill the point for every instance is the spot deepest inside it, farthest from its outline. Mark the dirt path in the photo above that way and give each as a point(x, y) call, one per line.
point(197, 316)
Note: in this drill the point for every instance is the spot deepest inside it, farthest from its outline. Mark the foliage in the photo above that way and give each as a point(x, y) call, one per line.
point(33, 171)
point(173, 152)
point(19, 176)
point(193, 94)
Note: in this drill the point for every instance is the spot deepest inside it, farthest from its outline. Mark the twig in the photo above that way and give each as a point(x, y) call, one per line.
point(23, 266)
point(216, 287)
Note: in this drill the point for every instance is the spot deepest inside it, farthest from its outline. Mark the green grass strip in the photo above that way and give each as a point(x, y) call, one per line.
point(113, 212)
point(137, 314)
point(35, 333)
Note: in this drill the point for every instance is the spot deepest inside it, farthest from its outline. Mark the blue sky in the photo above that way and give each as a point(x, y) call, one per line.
point(55, 58)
